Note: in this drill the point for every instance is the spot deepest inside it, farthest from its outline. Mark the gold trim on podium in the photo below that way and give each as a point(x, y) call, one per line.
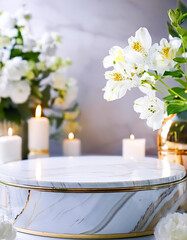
point(94, 190)
point(85, 236)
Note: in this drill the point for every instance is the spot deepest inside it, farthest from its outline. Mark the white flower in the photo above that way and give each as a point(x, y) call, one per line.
point(147, 83)
point(59, 80)
point(29, 43)
point(7, 231)
point(116, 89)
point(162, 59)
point(4, 89)
point(115, 59)
point(19, 91)
point(69, 97)
point(4, 55)
point(7, 25)
point(152, 109)
point(22, 16)
point(139, 47)
point(53, 63)
point(15, 68)
point(172, 227)
point(48, 43)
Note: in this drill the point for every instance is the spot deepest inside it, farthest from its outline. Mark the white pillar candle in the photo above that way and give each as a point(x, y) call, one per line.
point(71, 146)
point(10, 147)
point(38, 135)
point(133, 148)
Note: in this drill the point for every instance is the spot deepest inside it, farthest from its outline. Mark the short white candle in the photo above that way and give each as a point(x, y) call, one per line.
point(38, 135)
point(10, 147)
point(133, 148)
point(71, 146)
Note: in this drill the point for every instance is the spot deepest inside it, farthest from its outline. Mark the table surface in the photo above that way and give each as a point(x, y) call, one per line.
point(91, 172)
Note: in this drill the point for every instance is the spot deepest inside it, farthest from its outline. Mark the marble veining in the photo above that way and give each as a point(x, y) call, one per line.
point(91, 172)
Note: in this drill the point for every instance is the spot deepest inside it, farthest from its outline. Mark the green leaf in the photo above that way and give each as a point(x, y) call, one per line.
point(173, 108)
point(183, 83)
point(24, 111)
point(15, 53)
point(31, 56)
point(36, 91)
point(172, 31)
point(182, 18)
point(180, 91)
point(177, 73)
point(180, 60)
point(169, 98)
point(46, 97)
point(182, 7)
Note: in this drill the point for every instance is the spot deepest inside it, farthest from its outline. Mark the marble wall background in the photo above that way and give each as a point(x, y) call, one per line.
point(89, 29)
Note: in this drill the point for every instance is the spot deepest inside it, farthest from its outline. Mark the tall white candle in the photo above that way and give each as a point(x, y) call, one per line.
point(71, 146)
point(38, 135)
point(10, 147)
point(133, 148)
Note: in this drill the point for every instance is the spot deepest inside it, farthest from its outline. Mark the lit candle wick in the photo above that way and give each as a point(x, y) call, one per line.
point(10, 132)
point(38, 112)
point(70, 136)
point(132, 137)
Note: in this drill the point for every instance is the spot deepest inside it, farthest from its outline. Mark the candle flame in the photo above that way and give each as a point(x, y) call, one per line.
point(10, 132)
point(70, 136)
point(38, 112)
point(132, 137)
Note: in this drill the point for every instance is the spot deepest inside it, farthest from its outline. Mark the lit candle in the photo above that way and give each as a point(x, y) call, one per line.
point(10, 147)
point(38, 135)
point(133, 148)
point(71, 146)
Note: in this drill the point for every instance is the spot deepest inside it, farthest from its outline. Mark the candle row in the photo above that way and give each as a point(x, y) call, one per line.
point(38, 142)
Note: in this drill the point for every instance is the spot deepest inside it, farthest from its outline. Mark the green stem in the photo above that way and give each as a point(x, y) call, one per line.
point(171, 90)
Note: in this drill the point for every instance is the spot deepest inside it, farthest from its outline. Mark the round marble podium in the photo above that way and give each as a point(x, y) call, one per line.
point(90, 197)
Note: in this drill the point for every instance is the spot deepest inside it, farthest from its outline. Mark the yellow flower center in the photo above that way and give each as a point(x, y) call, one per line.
point(117, 77)
point(119, 56)
point(165, 51)
point(137, 46)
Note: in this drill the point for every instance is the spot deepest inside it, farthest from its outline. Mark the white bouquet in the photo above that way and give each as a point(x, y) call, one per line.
point(31, 73)
point(148, 66)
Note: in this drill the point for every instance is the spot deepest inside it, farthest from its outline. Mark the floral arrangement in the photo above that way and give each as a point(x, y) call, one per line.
point(7, 231)
point(172, 227)
point(149, 67)
point(31, 74)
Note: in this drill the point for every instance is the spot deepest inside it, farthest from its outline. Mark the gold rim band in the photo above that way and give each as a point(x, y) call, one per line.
point(95, 190)
point(173, 151)
point(85, 236)
point(37, 152)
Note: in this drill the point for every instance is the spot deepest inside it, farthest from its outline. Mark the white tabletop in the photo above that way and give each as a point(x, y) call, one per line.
point(91, 172)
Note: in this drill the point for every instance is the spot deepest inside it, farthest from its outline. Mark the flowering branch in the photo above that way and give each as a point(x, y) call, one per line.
point(142, 64)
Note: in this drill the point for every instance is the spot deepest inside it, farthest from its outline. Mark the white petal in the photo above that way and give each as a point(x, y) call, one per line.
point(142, 34)
point(108, 62)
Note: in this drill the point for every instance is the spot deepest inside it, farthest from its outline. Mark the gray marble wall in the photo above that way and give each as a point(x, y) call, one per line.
point(89, 28)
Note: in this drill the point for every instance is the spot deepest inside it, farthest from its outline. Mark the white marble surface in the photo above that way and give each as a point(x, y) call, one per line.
point(91, 172)
point(89, 29)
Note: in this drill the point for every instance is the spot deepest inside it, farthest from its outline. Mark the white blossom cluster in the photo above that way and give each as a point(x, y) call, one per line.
point(172, 227)
point(7, 231)
point(132, 67)
point(29, 65)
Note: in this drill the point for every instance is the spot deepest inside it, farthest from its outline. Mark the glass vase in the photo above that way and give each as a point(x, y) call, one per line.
point(172, 139)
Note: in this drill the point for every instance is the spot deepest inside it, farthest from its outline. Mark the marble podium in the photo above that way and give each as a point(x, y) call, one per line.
point(91, 197)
